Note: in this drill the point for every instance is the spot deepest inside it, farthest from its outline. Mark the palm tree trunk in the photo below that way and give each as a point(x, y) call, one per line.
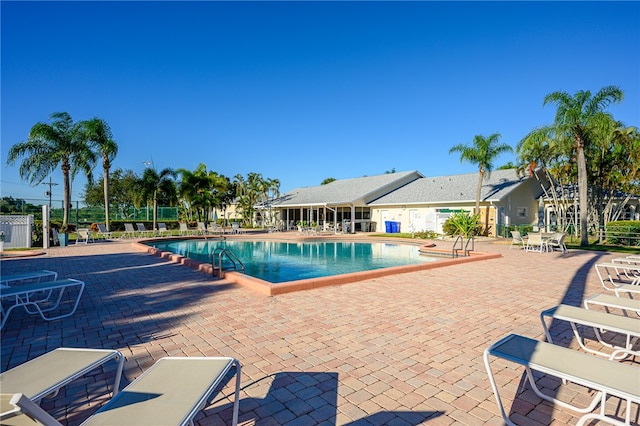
point(583, 193)
point(106, 198)
point(155, 210)
point(66, 187)
point(478, 191)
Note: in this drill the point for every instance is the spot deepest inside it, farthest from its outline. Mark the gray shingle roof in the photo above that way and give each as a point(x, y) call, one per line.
point(454, 188)
point(356, 191)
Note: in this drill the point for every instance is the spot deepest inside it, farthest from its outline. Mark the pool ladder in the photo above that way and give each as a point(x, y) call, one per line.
point(220, 253)
point(455, 251)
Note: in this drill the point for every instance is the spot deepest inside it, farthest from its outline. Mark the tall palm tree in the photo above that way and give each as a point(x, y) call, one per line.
point(154, 185)
point(98, 133)
point(540, 156)
point(272, 187)
point(482, 153)
point(50, 145)
point(195, 188)
point(574, 124)
point(242, 197)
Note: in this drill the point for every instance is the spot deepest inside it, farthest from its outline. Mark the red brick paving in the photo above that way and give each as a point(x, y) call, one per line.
point(399, 350)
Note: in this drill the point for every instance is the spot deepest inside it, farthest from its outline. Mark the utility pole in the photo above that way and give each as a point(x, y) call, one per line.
point(51, 184)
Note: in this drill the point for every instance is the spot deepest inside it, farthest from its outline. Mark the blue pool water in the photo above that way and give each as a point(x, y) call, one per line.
point(280, 261)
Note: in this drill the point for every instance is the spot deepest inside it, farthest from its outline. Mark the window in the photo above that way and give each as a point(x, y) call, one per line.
point(521, 212)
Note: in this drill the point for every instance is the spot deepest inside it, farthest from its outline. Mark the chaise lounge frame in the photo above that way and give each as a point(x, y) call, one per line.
point(626, 326)
point(606, 377)
point(609, 302)
point(40, 298)
point(31, 276)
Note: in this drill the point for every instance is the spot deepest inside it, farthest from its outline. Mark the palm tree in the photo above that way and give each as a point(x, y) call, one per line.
point(482, 153)
point(156, 185)
point(195, 188)
point(50, 145)
point(575, 119)
point(273, 192)
point(242, 189)
point(97, 132)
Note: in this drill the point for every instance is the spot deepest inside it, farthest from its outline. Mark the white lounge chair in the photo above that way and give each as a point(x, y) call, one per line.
point(162, 229)
point(184, 229)
point(129, 231)
point(632, 261)
point(171, 392)
point(236, 228)
point(604, 376)
point(516, 238)
point(84, 236)
point(8, 280)
point(614, 275)
point(600, 322)
point(215, 229)
point(102, 231)
point(47, 374)
point(631, 290)
point(41, 298)
point(202, 229)
point(610, 302)
point(143, 231)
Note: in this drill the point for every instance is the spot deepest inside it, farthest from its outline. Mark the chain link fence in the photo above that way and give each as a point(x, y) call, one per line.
point(83, 215)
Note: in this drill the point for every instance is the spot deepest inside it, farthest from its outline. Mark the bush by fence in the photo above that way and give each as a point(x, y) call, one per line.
point(623, 232)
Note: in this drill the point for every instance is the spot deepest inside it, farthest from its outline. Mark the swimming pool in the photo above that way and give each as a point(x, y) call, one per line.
point(285, 261)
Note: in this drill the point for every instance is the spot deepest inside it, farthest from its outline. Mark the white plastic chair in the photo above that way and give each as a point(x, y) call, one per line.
point(84, 235)
point(557, 241)
point(516, 238)
point(535, 242)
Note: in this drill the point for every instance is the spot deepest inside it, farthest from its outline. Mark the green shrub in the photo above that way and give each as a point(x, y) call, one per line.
point(462, 223)
point(623, 232)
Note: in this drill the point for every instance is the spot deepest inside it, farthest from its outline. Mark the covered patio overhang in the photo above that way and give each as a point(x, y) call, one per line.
point(327, 215)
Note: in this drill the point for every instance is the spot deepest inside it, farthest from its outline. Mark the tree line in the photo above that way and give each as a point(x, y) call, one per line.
point(79, 147)
point(198, 193)
point(584, 152)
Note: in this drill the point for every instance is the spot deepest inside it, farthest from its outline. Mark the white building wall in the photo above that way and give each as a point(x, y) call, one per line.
point(413, 219)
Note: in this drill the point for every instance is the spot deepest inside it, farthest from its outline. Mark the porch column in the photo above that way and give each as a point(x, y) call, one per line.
point(353, 219)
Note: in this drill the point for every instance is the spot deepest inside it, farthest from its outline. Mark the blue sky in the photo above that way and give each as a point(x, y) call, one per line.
point(303, 91)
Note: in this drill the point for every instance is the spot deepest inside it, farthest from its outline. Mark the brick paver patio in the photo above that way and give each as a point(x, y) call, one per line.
point(401, 350)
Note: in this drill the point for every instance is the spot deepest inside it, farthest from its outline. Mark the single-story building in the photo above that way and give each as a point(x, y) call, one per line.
point(415, 202)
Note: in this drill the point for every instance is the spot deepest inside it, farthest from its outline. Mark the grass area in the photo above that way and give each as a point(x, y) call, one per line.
point(603, 247)
point(399, 235)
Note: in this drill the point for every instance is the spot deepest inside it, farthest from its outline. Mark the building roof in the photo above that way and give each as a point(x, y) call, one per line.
point(356, 191)
point(454, 189)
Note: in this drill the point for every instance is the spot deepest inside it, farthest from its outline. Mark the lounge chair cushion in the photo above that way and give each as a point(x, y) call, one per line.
point(48, 373)
point(171, 392)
